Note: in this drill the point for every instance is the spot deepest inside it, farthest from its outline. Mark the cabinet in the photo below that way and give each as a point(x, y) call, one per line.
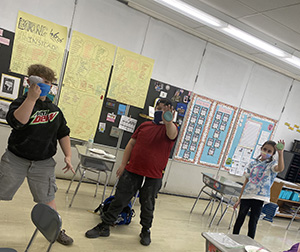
point(286, 207)
point(292, 167)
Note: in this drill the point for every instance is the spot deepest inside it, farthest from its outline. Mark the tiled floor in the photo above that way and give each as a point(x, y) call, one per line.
point(174, 228)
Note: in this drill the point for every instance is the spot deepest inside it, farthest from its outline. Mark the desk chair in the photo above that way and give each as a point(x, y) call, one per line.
point(92, 163)
point(47, 221)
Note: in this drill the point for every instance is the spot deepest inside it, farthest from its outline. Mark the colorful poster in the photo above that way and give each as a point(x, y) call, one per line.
point(130, 78)
point(217, 136)
point(193, 129)
point(249, 134)
point(37, 41)
point(84, 85)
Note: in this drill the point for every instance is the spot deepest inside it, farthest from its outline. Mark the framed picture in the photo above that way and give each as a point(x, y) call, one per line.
point(9, 87)
point(4, 105)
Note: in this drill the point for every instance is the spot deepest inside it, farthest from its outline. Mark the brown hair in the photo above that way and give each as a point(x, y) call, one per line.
point(273, 144)
point(41, 71)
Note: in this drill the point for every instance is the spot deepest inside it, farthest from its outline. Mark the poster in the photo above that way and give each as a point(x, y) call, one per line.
point(193, 129)
point(37, 41)
point(249, 134)
point(218, 134)
point(84, 85)
point(130, 78)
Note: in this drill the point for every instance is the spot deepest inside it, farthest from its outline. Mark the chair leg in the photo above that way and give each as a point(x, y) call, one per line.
point(197, 199)
point(211, 200)
point(294, 216)
point(78, 185)
point(212, 206)
point(222, 215)
point(234, 213)
point(214, 216)
point(97, 185)
point(32, 237)
point(73, 178)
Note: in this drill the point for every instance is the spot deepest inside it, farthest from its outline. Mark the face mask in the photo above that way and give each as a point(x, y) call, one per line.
point(44, 88)
point(158, 116)
point(265, 155)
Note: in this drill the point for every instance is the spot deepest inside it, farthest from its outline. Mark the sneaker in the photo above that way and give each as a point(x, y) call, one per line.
point(63, 238)
point(100, 230)
point(145, 237)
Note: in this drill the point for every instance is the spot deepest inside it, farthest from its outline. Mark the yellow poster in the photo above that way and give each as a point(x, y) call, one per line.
point(84, 85)
point(37, 41)
point(130, 78)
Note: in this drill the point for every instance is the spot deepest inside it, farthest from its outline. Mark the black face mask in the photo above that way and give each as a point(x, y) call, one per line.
point(158, 116)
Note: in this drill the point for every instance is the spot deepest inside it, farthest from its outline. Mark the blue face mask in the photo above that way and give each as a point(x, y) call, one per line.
point(44, 88)
point(265, 155)
point(158, 116)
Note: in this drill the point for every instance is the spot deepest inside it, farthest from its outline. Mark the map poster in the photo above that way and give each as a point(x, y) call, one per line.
point(130, 78)
point(85, 82)
point(37, 41)
point(249, 134)
point(193, 129)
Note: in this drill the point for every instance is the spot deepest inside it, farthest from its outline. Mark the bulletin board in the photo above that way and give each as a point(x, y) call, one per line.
point(206, 132)
point(156, 89)
point(6, 44)
point(249, 134)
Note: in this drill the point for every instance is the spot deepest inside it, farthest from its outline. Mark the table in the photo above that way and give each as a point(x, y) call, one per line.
point(212, 245)
point(95, 163)
point(221, 186)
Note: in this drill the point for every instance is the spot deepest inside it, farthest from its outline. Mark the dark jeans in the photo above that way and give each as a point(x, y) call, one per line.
point(256, 207)
point(127, 187)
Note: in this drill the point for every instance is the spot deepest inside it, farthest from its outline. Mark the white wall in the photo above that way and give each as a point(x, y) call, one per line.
point(222, 75)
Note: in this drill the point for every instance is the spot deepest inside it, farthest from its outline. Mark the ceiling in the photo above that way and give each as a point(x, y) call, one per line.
point(274, 21)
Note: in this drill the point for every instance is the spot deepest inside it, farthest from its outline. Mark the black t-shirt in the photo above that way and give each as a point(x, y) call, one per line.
point(37, 139)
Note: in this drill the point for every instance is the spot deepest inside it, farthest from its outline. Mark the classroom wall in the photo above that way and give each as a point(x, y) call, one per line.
point(182, 60)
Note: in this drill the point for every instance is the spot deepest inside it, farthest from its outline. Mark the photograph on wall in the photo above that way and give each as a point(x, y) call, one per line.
point(4, 106)
point(9, 87)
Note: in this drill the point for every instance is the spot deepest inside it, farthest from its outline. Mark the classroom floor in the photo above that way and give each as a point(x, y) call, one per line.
point(174, 228)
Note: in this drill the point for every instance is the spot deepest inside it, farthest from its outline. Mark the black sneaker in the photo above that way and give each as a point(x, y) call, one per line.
point(100, 230)
point(145, 237)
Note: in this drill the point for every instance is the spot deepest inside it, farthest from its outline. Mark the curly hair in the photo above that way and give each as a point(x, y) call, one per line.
point(41, 71)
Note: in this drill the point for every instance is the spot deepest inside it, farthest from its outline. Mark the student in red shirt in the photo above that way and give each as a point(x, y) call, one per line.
point(145, 157)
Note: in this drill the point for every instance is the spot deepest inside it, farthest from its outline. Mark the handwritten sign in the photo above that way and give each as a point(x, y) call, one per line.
point(130, 78)
point(85, 83)
point(127, 123)
point(37, 41)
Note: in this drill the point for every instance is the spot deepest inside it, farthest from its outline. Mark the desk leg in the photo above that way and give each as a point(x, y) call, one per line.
point(73, 177)
point(213, 218)
point(197, 198)
point(294, 216)
point(78, 185)
point(234, 213)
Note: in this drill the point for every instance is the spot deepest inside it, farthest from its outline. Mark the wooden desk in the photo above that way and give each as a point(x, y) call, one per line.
point(92, 162)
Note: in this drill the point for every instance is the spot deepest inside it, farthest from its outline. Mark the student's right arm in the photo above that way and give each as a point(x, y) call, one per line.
point(126, 156)
point(243, 188)
point(22, 114)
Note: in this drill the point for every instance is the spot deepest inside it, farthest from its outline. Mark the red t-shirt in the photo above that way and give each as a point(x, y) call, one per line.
point(151, 151)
